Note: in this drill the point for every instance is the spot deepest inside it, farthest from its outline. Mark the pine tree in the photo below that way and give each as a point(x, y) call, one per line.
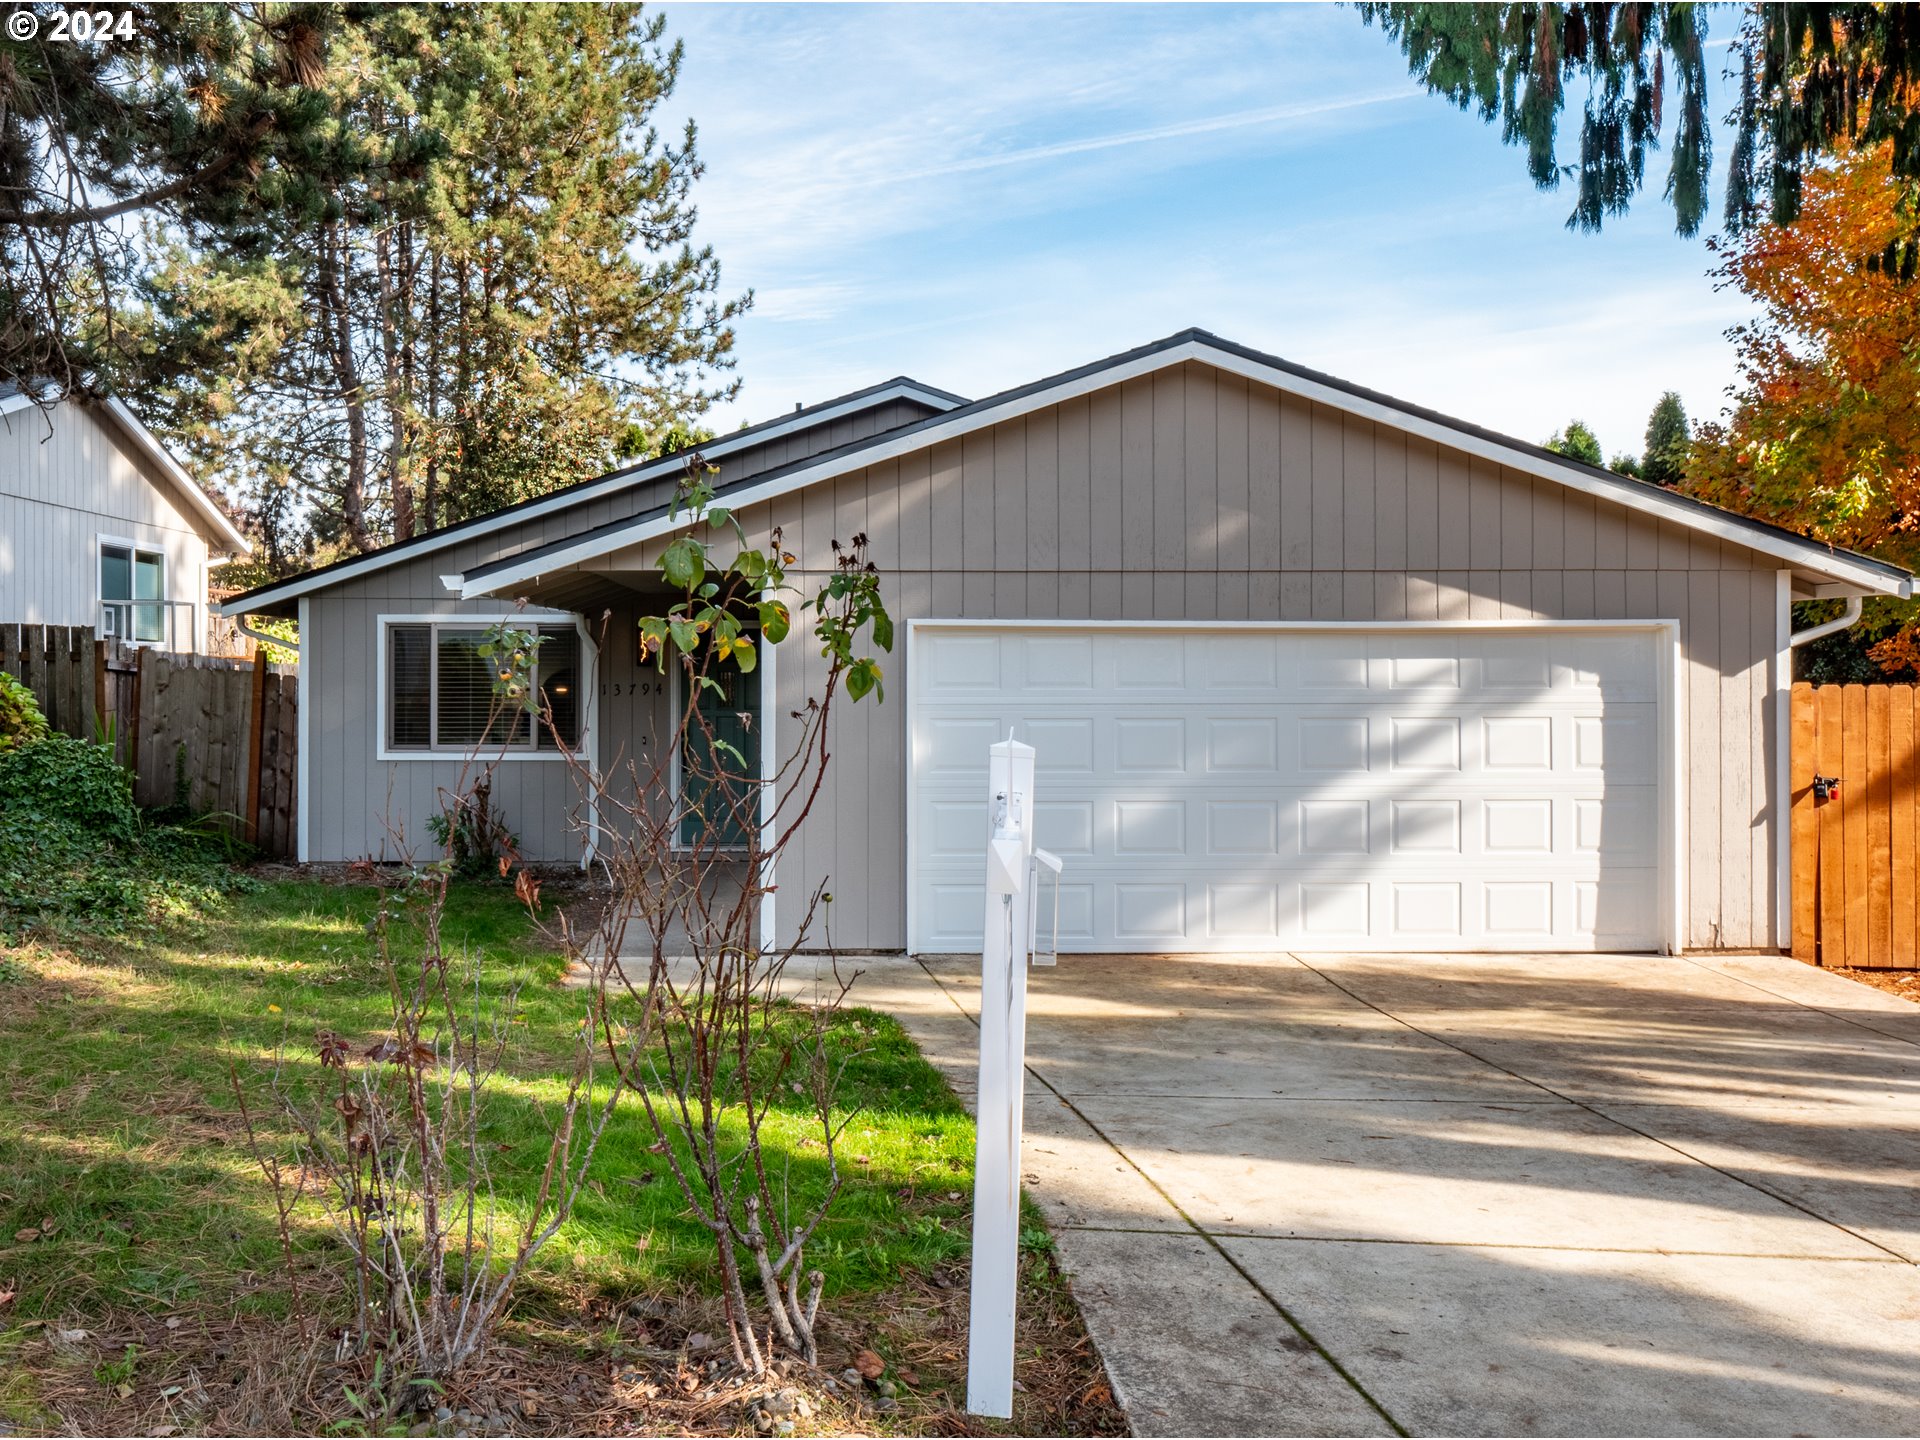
point(1814, 79)
point(1668, 438)
point(1576, 442)
point(202, 117)
point(495, 307)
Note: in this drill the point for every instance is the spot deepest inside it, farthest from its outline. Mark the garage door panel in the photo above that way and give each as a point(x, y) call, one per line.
point(1334, 909)
point(1310, 790)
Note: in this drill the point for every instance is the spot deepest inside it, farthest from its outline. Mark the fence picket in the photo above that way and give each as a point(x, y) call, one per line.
point(1878, 821)
point(1900, 854)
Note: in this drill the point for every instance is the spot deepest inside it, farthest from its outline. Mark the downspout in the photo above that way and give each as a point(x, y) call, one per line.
point(240, 624)
point(1849, 617)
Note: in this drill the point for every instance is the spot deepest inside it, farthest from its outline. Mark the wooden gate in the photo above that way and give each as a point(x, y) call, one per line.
point(1856, 863)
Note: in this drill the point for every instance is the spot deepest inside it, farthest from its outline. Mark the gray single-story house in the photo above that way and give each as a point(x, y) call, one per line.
point(1307, 667)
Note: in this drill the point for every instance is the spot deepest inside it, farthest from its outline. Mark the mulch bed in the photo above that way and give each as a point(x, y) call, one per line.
point(1904, 983)
point(657, 1365)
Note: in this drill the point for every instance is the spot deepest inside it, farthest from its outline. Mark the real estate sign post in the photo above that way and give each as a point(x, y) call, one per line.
point(1005, 951)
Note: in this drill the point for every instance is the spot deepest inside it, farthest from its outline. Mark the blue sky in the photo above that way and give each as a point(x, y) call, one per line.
point(981, 195)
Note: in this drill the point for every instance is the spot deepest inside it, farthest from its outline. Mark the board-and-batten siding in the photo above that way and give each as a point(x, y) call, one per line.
point(66, 478)
point(1191, 495)
point(358, 802)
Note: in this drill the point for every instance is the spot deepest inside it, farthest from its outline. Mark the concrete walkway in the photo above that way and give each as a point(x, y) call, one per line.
point(1472, 1195)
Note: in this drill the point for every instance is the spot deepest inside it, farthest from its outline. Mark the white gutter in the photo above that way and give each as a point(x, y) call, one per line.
point(1849, 618)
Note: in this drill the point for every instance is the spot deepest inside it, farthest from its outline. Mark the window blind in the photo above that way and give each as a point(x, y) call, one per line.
point(440, 690)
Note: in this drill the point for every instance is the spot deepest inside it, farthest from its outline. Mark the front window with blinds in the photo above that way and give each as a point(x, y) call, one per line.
point(440, 691)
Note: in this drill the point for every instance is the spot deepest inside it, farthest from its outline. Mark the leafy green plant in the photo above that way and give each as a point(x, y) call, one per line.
point(21, 721)
point(61, 778)
point(74, 847)
point(474, 835)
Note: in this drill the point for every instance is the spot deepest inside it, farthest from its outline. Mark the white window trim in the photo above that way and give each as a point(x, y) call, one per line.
point(157, 551)
point(589, 666)
point(675, 705)
point(1669, 699)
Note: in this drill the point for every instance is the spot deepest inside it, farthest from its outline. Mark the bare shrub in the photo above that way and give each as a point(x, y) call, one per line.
point(693, 1016)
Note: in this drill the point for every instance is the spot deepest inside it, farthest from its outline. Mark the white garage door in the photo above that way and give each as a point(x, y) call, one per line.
point(1326, 788)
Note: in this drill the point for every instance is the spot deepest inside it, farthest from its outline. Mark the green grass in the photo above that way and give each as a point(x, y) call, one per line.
point(119, 1123)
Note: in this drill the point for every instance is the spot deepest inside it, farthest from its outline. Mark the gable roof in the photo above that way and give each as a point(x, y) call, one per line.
point(143, 440)
point(901, 387)
point(1844, 567)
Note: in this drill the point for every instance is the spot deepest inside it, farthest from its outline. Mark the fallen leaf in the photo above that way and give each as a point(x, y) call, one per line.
point(123, 1390)
point(870, 1365)
point(6, 1296)
point(173, 1322)
point(28, 1235)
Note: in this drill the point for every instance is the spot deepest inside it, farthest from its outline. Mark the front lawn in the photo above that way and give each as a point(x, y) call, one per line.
point(131, 1209)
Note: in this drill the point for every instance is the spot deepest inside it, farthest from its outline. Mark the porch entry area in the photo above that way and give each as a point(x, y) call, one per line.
point(1312, 787)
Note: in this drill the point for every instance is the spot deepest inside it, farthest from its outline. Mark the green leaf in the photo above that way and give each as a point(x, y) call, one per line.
point(863, 678)
point(684, 635)
point(883, 630)
point(684, 563)
point(719, 515)
point(744, 657)
point(775, 621)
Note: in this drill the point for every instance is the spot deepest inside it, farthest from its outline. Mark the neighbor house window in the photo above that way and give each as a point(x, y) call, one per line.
point(440, 690)
point(133, 592)
point(720, 757)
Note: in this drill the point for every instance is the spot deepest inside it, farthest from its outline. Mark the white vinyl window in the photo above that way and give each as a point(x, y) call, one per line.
point(439, 691)
point(133, 592)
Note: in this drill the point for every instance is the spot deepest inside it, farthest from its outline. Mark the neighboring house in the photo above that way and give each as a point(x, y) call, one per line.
point(1307, 667)
point(100, 526)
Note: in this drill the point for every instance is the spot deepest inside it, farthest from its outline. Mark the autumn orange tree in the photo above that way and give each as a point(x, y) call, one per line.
point(1824, 436)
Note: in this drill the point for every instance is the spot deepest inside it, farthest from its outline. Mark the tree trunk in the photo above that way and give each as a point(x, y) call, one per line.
point(346, 371)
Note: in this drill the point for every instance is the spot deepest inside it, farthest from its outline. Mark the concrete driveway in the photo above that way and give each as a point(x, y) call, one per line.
point(1473, 1195)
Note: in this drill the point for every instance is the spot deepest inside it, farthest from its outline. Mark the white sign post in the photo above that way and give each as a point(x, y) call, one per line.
point(1011, 920)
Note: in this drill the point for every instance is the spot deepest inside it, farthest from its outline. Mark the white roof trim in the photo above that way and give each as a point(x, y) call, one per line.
point(593, 490)
point(149, 445)
point(1635, 495)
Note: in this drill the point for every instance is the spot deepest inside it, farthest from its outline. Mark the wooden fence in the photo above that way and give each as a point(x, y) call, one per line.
point(210, 735)
point(1856, 851)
